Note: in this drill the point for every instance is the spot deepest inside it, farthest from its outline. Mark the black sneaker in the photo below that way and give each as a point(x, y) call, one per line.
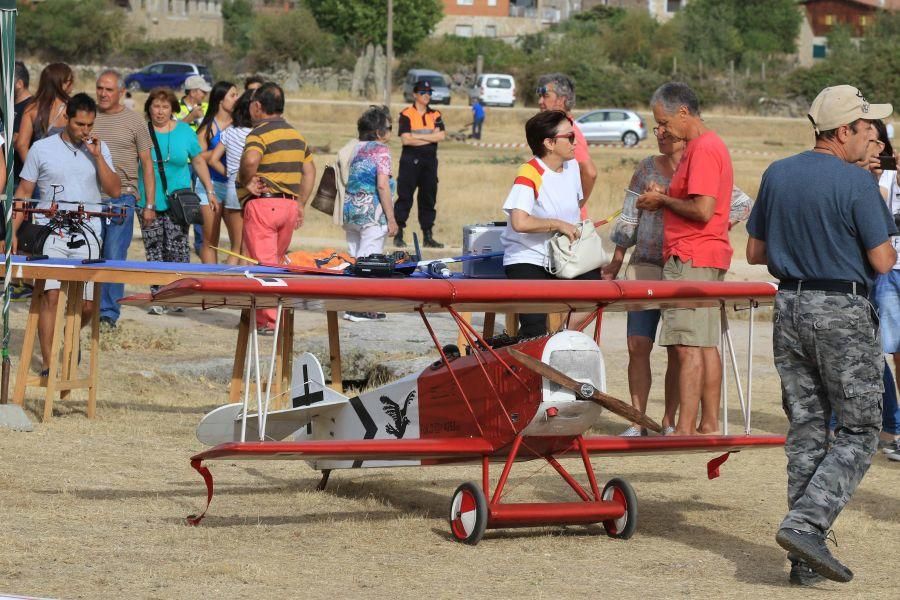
point(802, 574)
point(810, 547)
point(106, 323)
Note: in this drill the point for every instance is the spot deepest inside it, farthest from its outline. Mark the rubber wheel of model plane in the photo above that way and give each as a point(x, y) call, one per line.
point(468, 513)
point(619, 490)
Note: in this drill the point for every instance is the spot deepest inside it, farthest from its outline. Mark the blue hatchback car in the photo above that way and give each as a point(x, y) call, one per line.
point(165, 74)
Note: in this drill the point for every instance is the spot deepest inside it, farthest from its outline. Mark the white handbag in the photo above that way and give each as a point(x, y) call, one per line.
point(588, 252)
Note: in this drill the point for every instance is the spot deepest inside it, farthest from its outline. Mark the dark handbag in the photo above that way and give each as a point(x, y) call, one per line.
point(31, 238)
point(184, 204)
point(327, 192)
point(184, 207)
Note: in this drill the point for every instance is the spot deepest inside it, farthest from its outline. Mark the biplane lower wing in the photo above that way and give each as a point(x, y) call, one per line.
point(475, 448)
point(673, 444)
point(424, 449)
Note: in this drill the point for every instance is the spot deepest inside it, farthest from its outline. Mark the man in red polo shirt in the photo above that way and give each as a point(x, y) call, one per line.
point(695, 247)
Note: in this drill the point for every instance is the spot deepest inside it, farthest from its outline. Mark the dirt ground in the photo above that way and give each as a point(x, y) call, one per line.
point(95, 509)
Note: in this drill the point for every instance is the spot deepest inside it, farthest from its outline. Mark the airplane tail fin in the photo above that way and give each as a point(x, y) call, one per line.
point(309, 398)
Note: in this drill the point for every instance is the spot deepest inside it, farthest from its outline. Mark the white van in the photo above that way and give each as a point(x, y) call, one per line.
point(496, 89)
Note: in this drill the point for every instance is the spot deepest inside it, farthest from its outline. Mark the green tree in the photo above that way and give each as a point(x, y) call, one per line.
point(293, 35)
point(719, 31)
point(359, 22)
point(238, 17)
point(70, 30)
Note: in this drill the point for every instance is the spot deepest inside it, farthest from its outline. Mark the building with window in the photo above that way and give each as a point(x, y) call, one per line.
point(821, 16)
point(505, 19)
point(661, 10)
point(168, 19)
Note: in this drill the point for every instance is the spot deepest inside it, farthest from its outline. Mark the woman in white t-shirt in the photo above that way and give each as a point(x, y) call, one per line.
point(544, 200)
point(231, 145)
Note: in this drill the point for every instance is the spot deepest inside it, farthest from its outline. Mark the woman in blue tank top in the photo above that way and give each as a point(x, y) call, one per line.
point(218, 118)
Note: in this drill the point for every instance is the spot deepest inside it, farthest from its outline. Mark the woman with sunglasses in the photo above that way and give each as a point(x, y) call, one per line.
point(544, 200)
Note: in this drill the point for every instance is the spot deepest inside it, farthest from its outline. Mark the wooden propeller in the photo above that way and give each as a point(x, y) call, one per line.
point(586, 391)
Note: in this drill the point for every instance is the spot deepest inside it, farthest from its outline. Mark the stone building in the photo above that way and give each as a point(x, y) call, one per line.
point(167, 19)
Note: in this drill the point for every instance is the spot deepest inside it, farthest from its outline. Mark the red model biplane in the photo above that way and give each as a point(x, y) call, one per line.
point(503, 402)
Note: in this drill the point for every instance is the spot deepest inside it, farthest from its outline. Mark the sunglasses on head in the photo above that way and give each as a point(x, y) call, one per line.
point(542, 91)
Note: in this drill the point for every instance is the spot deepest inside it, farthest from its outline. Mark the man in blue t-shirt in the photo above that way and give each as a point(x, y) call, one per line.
point(820, 225)
point(477, 118)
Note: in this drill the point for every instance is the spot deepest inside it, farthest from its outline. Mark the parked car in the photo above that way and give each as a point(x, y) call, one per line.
point(494, 89)
point(612, 125)
point(440, 89)
point(167, 74)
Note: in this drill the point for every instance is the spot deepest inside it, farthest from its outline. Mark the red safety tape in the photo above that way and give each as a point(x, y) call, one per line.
point(712, 467)
point(194, 520)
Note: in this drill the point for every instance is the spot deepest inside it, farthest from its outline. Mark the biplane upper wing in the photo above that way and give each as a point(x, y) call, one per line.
point(464, 295)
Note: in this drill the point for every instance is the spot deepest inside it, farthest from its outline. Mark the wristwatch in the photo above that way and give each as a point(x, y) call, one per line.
point(150, 207)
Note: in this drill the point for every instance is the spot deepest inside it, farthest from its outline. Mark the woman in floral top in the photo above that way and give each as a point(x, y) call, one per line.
point(643, 230)
point(368, 201)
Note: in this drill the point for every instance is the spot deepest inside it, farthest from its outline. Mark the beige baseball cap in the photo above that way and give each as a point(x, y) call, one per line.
point(196, 82)
point(841, 105)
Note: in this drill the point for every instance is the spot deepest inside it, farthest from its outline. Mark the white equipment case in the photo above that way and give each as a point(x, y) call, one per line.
point(484, 238)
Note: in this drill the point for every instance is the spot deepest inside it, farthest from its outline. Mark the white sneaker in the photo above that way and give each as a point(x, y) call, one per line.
point(157, 310)
point(357, 317)
point(668, 430)
point(631, 432)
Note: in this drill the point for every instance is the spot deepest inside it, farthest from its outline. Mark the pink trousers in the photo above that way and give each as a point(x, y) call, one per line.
point(268, 227)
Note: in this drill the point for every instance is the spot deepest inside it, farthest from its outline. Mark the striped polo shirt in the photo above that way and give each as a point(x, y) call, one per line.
point(283, 152)
point(126, 134)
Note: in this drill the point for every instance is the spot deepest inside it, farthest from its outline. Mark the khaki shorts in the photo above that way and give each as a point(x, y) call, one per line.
point(697, 327)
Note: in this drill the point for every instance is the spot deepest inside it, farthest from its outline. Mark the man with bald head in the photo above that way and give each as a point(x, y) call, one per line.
point(128, 139)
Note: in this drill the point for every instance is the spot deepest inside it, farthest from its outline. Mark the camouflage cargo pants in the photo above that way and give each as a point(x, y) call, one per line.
point(828, 355)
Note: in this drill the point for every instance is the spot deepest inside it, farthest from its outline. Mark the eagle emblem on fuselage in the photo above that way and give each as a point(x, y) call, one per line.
point(393, 410)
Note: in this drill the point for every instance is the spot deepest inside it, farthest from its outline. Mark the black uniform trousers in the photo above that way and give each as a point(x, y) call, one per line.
point(421, 173)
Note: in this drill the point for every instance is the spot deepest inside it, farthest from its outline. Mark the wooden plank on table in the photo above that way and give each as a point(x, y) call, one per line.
point(334, 352)
point(31, 331)
point(94, 354)
point(54, 367)
point(240, 357)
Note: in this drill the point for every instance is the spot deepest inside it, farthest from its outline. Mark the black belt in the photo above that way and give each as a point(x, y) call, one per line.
point(268, 195)
point(824, 285)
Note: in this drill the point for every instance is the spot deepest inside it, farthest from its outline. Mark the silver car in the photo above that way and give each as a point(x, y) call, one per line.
point(440, 90)
point(612, 125)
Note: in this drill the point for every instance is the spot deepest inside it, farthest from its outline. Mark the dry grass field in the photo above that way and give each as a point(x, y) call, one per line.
point(95, 509)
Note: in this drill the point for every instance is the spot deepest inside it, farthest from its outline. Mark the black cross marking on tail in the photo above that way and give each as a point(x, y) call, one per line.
point(307, 397)
point(367, 422)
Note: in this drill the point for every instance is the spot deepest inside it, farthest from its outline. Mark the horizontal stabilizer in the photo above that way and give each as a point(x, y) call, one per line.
point(224, 424)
